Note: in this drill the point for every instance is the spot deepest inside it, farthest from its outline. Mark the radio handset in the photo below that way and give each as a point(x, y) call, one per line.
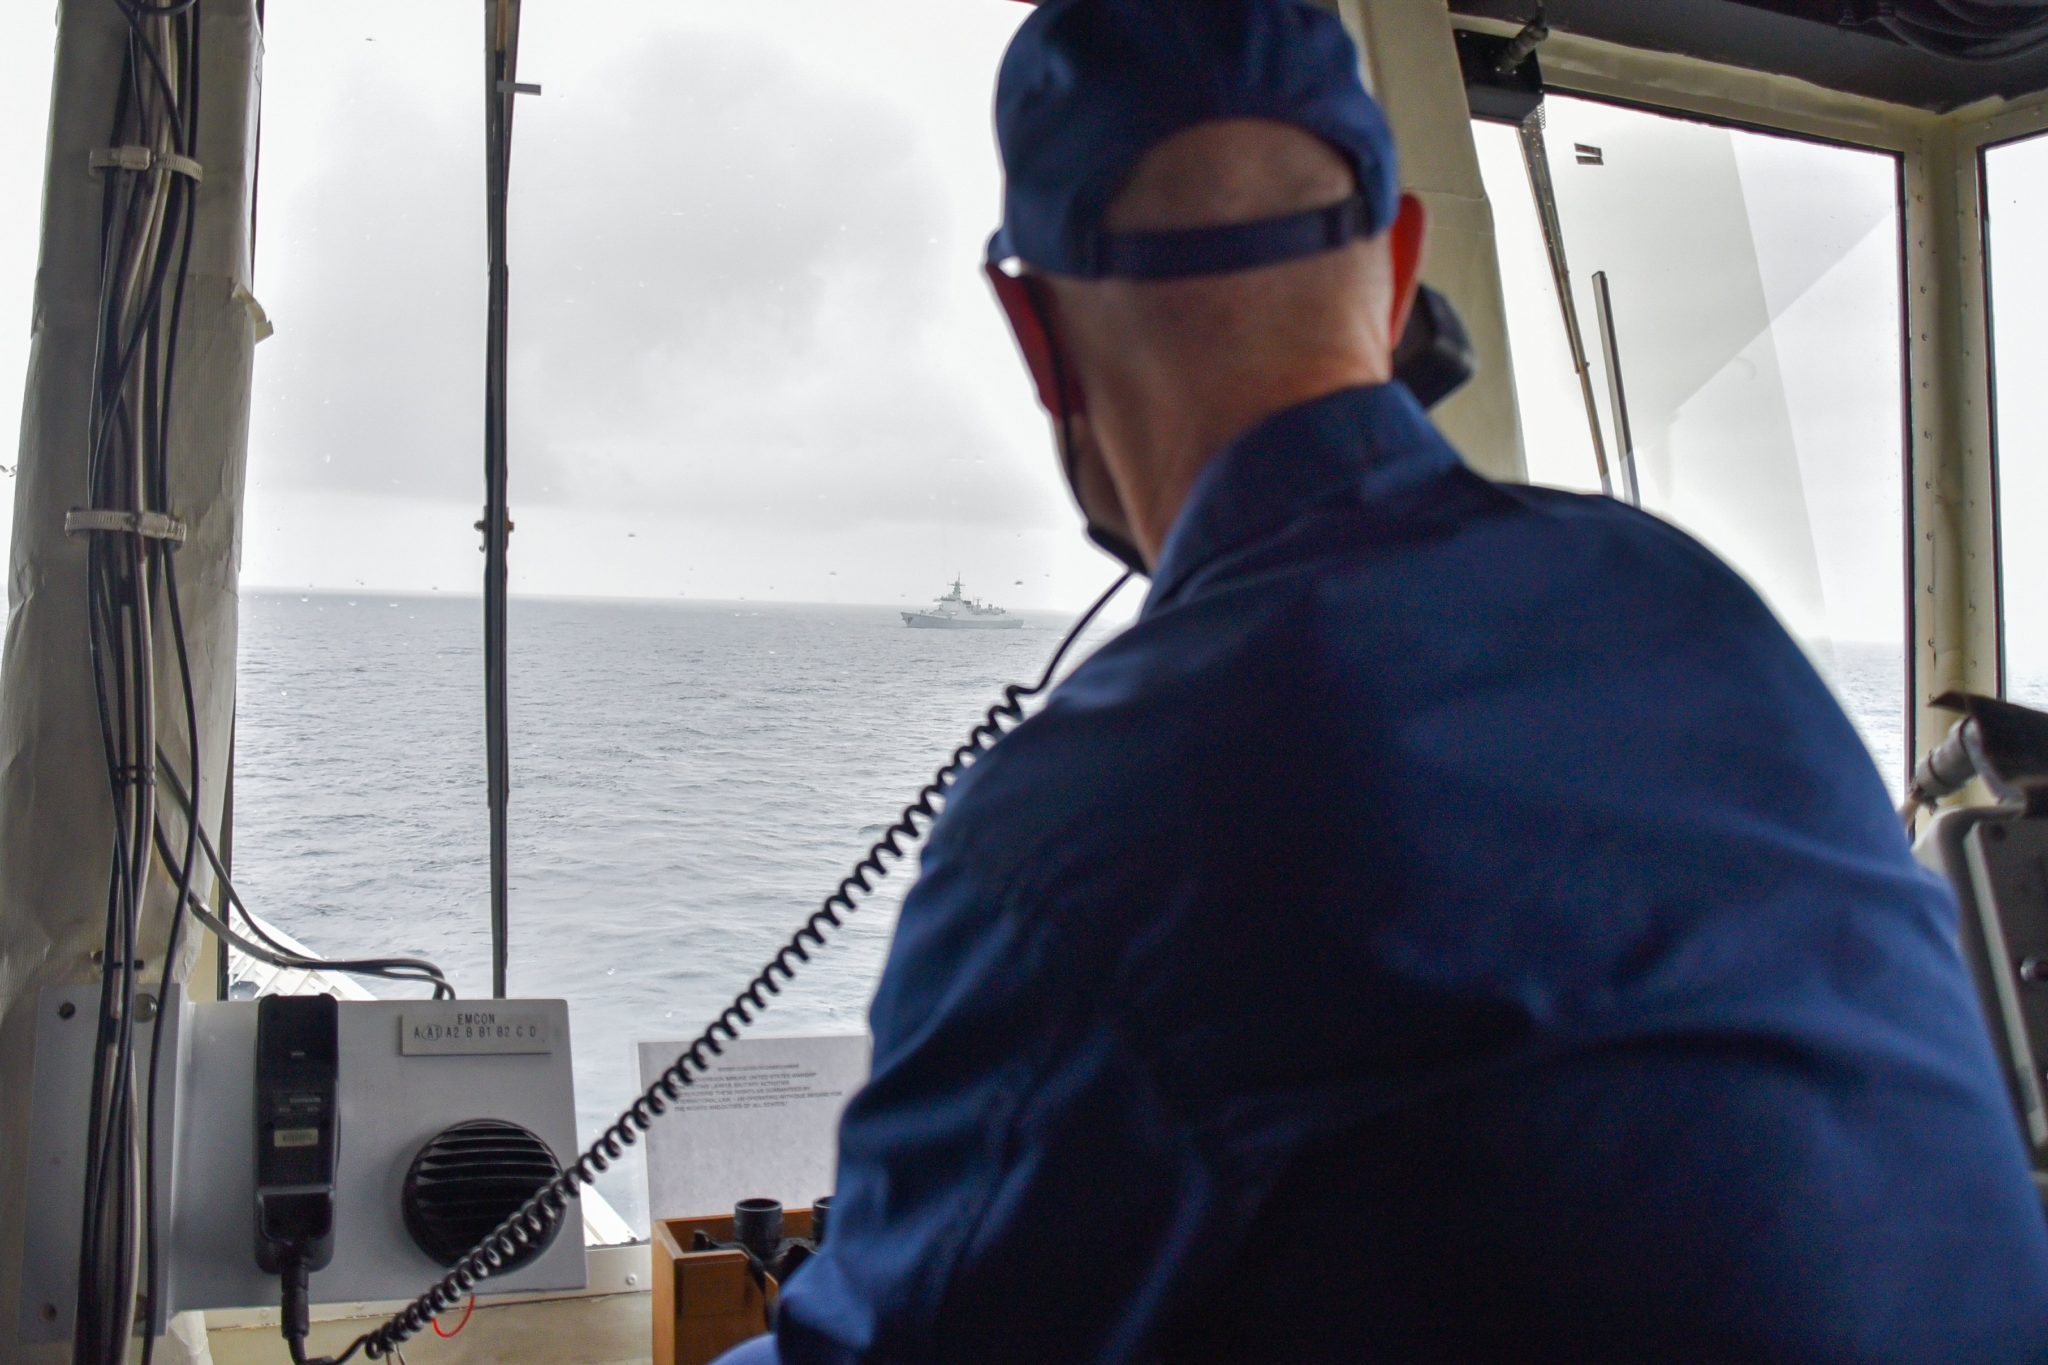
point(1434, 357)
point(297, 1137)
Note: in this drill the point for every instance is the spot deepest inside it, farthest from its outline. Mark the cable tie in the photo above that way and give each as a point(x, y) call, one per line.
point(120, 158)
point(149, 525)
point(142, 159)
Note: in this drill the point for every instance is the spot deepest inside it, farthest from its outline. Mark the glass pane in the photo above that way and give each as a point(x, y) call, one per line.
point(358, 818)
point(1755, 283)
point(366, 424)
point(767, 391)
point(762, 404)
point(2016, 196)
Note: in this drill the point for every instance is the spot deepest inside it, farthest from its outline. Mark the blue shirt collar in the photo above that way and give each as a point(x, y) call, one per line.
point(1370, 441)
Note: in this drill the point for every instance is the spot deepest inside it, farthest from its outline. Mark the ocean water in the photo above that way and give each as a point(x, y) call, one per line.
point(1870, 682)
point(689, 779)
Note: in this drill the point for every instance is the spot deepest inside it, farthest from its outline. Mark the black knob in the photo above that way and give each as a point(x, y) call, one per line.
point(757, 1226)
point(821, 1214)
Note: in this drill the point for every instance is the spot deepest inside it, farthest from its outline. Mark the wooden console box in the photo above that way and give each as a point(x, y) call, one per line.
point(705, 1302)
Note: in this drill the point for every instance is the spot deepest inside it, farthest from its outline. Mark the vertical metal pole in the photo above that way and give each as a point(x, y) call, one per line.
point(218, 946)
point(1410, 63)
point(501, 19)
point(1536, 160)
point(1617, 395)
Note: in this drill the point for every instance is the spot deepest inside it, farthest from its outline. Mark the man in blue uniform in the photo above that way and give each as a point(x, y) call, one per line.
point(1454, 922)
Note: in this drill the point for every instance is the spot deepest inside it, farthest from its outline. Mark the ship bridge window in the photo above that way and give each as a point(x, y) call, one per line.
point(1752, 283)
point(761, 406)
point(2016, 201)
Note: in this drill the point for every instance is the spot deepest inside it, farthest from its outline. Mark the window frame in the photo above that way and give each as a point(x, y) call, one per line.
point(1825, 134)
point(1956, 627)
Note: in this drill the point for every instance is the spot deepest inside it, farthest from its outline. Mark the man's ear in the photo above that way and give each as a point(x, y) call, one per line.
point(1405, 250)
point(1026, 304)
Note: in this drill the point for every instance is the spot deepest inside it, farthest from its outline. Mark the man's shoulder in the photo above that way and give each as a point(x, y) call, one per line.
point(1129, 755)
point(1456, 543)
point(1326, 659)
point(1338, 620)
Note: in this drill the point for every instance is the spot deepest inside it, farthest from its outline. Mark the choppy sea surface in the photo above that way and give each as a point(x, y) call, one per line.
point(689, 779)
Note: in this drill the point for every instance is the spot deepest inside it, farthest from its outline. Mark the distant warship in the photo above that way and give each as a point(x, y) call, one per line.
point(955, 611)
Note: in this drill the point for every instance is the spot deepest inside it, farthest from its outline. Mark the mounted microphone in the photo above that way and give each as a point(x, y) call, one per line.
point(1434, 357)
point(297, 1138)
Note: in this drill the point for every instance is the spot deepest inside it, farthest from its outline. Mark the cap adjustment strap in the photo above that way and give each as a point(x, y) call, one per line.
point(1183, 252)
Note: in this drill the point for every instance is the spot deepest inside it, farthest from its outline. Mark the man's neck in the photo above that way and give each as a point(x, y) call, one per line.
point(1174, 443)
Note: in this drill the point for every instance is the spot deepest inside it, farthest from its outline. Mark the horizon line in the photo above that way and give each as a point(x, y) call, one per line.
point(473, 595)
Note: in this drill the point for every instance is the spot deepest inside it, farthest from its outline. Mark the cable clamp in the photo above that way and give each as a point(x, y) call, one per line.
point(81, 521)
point(135, 774)
point(120, 158)
point(142, 159)
point(483, 527)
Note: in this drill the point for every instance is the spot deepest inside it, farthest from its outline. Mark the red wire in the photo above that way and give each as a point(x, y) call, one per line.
point(467, 1310)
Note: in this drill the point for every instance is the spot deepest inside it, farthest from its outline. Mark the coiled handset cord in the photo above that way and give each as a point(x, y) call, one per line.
point(530, 1222)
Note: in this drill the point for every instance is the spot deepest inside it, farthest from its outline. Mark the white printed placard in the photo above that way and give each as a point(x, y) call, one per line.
point(474, 1028)
point(762, 1123)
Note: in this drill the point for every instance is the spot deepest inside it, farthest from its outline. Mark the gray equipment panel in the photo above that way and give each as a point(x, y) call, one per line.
point(1996, 859)
point(390, 1104)
point(2008, 864)
point(66, 1018)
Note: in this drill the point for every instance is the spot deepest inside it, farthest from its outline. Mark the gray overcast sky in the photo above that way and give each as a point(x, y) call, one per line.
point(752, 354)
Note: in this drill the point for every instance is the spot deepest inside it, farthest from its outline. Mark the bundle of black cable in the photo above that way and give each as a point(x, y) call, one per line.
point(149, 189)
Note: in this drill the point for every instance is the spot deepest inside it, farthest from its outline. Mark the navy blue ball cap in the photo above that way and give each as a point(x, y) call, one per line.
point(1089, 86)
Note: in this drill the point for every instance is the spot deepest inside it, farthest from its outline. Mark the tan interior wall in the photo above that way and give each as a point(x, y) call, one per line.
point(1954, 560)
point(1411, 64)
point(56, 818)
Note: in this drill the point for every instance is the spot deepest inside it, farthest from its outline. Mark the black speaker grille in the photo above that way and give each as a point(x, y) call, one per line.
point(469, 1179)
